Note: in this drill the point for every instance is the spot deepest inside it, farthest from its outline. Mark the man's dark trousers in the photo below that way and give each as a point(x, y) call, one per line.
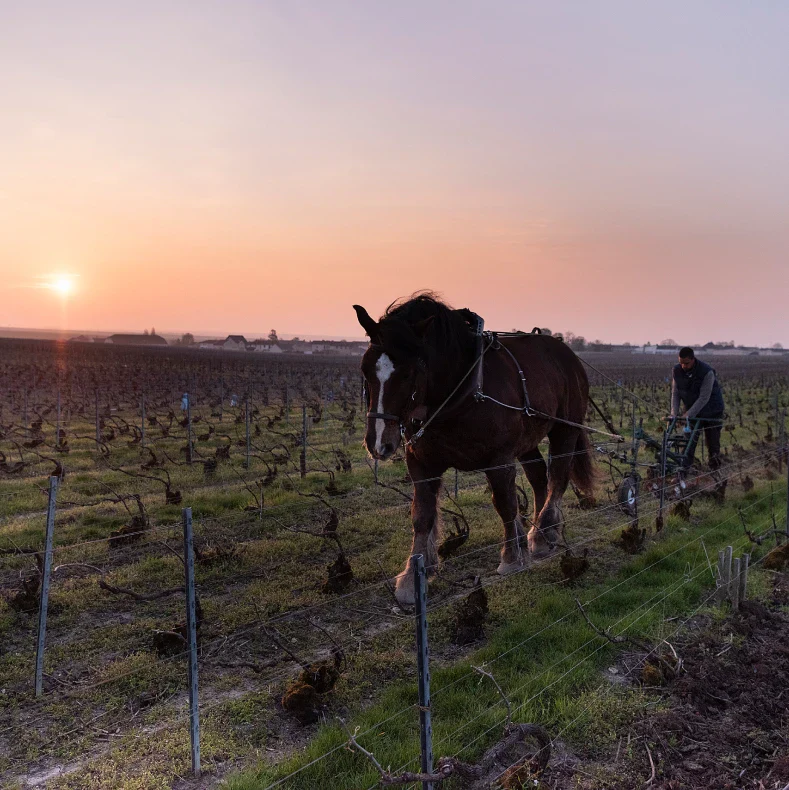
point(712, 427)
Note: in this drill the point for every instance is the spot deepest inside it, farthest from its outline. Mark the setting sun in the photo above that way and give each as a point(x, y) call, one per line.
point(62, 285)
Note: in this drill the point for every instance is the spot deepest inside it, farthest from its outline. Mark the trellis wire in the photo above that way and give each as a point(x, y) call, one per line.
point(305, 503)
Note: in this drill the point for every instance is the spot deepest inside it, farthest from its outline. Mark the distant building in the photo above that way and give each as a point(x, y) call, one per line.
point(264, 347)
point(82, 339)
point(339, 347)
point(136, 340)
point(295, 346)
point(235, 343)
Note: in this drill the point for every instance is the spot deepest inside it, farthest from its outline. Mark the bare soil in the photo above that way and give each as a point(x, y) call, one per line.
point(723, 722)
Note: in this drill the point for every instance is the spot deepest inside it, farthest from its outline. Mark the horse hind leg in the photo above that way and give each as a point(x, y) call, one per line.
point(536, 471)
point(548, 529)
point(505, 500)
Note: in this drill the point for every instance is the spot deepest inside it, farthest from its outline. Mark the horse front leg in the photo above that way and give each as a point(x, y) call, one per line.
point(424, 516)
point(505, 500)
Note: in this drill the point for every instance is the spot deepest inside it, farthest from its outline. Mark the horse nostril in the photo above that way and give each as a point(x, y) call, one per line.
point(387, 449)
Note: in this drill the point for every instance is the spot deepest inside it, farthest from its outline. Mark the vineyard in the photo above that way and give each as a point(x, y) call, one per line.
point(306, 666)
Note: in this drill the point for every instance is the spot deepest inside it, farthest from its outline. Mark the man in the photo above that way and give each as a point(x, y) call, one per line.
point(696, 385)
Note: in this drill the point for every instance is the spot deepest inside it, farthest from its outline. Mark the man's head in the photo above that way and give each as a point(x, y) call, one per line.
point(687, 359)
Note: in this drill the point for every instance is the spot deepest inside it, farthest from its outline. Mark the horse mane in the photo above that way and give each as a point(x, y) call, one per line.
point(422, 326)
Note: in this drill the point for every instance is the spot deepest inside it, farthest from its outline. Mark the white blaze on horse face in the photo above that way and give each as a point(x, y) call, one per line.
point(384, 368)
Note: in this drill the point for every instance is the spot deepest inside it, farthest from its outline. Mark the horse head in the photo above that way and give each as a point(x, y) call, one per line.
point(394, 375)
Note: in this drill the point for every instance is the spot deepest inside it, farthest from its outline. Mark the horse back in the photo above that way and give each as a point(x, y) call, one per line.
point(555, 376)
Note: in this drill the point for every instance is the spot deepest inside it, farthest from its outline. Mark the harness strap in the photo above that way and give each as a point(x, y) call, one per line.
point(527, 409)
point(382, 415)
point(418, 434)
point(604, 417)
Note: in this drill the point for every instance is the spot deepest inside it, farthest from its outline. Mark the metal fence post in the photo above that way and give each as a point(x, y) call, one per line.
point(189, 427)
point(636, 477)
point(734, 585)
point(746, 561)
point(45, 574)
point(664, 450)
point(191, 632)
point(423, 663)
point(786, 525)
point(246, 424)
point(98, 428)
point(720, 592)
point(303, 455)
point(727, 562)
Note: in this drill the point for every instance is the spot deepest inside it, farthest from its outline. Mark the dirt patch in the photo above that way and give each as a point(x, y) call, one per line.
point(723, 722)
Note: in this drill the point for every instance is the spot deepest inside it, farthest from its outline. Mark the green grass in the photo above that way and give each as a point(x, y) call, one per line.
point(94, 636)
point(550, 671)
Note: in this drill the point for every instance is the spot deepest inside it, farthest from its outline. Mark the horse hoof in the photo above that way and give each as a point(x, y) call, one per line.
point(506, 568)
point(405, 595)
point(543, 552)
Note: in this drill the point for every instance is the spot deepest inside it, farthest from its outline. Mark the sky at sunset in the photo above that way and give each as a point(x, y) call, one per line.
point(617, 169)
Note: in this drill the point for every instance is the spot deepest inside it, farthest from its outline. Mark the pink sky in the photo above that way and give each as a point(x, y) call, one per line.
point(608, 168)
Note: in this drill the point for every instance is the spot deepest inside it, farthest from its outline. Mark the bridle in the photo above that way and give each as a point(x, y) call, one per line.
point(386, 416)
point(420, 425)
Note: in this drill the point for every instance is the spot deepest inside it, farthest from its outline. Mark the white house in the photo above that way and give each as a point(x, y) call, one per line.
point(264, 347)
point(235, 343)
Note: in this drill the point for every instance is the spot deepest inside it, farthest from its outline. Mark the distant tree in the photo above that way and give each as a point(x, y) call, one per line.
point(153, 330)
point(777, 346)
point(578, 342)
point(627, 344)
point(669, 342)
point(272, 336)
point(146, 332)
point(545, 330)
point(187, 339)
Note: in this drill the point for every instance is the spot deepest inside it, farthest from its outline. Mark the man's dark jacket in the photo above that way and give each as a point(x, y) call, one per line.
point(689, 384)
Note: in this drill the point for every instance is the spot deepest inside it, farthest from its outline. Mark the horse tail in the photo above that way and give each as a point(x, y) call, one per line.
point(582, 470)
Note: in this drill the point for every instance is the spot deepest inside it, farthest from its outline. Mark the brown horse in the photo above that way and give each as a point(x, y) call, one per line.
point(472, 401)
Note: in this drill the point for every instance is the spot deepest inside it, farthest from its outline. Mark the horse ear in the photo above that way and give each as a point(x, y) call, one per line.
point(369, 326)
point(421, 328)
